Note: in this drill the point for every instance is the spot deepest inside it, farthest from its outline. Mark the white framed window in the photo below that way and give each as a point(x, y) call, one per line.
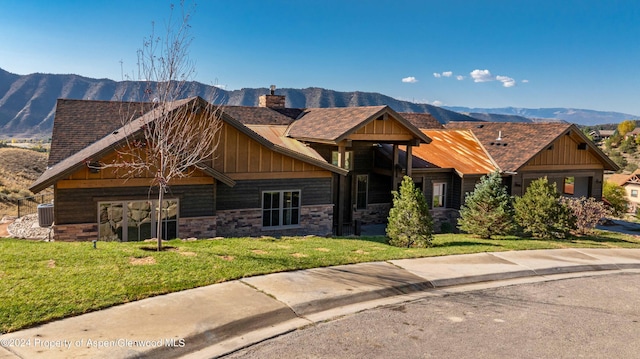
point(362, 188)
point(280, 208)
point(348, 159)
point(127, 221)
point(634, 193)
point(439, 195)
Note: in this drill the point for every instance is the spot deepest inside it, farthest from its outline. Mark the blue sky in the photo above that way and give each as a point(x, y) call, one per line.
point(493, 53)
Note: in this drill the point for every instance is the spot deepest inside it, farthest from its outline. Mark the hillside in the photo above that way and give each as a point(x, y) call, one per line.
point(18, 169)
point(27, 102)
point(577, 116)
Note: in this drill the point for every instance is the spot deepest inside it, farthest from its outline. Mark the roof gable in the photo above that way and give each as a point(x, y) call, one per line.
point(332, 125)
point(512, 145)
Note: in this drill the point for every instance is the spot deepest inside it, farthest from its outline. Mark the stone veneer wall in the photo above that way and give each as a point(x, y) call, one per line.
point(316, 220)
point(376, 213)
point(445, 215)
point(75, 232)
point(197, 227)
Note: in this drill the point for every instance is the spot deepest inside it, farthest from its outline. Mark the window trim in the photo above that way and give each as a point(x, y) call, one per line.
point(348, 159)
point(443, 194)
point(281, 209)
point(636, 193)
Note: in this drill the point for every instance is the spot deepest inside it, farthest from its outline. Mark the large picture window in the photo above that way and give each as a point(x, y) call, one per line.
point(280, 208)
point(439, 195)
point(127, 221)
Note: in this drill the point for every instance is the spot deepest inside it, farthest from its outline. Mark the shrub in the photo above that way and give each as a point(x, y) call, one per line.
point(587, 212)
point(617, 198)
point(488, 210)
point(541, 214)
point(410, 224)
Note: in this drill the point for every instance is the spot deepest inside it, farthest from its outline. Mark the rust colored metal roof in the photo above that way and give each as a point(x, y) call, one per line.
point(276, 135)
point(457, 149)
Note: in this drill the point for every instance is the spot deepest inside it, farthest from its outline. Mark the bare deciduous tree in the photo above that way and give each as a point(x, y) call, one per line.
point(176, 136)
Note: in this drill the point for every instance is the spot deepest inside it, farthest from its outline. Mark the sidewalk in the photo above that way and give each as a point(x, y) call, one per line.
point(214, 320)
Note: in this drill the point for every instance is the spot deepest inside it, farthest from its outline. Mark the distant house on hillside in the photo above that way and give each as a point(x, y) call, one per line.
point(631, 185)
point(283, 171)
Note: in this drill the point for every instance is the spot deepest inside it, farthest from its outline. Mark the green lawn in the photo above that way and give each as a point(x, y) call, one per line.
point(41, 281)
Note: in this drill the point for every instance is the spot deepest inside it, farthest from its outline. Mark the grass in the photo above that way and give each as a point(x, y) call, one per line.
point(44, 281)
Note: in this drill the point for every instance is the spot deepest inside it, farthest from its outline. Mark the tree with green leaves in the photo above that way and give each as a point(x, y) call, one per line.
point(540, 213)
point(409, 222)
point(488, 210)
point(616, 196)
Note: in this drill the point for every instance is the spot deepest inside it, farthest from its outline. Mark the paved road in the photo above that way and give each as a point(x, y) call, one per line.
point(587, 317)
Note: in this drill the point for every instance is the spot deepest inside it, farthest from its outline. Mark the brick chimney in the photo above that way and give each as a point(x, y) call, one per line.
point(272, 100)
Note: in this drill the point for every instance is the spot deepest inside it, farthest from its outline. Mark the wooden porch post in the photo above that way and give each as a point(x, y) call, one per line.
point(341, 190)
point(394, 163)
point(409, 159)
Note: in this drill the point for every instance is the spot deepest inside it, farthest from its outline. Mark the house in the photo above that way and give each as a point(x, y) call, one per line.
point(283, 171)
point(631, 185)
point(277, 171)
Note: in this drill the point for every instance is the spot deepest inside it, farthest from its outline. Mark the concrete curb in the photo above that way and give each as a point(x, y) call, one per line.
point(222, 318)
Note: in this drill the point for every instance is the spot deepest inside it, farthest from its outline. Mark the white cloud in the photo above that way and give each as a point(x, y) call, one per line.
point(447, 74)
point(436, 75)
point(506, 81)
point(443, 74)
point(459, 77)
point(525, 81)
point(410, 80)
point(481, 75)
point(437, 103)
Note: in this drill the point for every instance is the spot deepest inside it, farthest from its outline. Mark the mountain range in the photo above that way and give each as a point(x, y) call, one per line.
point(27, 102)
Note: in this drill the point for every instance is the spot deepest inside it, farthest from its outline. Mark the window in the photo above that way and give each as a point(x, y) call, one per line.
point(634, 193)
point(568, 186)
point(280, 208)
point(439, 194)
point(348, 159)
point(362, 185)
point(127, 221)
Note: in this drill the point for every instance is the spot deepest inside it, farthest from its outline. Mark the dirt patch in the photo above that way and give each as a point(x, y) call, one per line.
point(299, 255)
point(142, 261)
point(360, 251)
point(51, 263)
point(259, 251)
point(227, 258)
point(323, 249)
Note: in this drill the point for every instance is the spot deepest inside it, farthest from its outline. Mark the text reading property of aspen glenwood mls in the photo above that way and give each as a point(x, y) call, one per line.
point(91, 343)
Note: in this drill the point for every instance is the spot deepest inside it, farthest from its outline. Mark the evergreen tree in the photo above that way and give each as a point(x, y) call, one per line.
point(541, 214)
point(488, 210)
point(410, 224)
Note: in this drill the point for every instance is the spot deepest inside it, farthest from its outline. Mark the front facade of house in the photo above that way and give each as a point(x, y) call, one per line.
point(280, 171)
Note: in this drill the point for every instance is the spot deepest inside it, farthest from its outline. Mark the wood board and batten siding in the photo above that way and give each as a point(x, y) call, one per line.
point(243, 158)
point(386, 127)
point(564, 158)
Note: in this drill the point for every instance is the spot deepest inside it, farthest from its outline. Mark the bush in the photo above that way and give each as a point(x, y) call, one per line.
point(617, 198)
point(541, 214)
point(488, 210)
point(587, 212)
point(410, 224)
